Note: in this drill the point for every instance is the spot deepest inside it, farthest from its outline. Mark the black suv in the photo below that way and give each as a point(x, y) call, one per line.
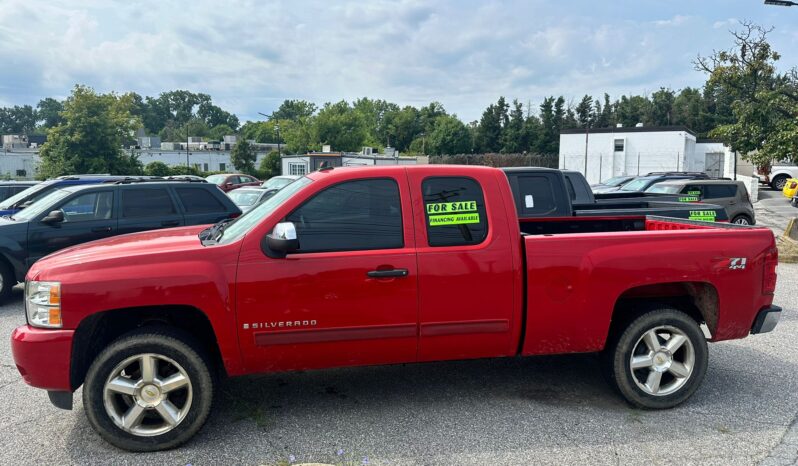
point(77, 214)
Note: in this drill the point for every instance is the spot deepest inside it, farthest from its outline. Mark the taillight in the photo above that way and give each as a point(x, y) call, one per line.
point(793, 184)
point(769, 274)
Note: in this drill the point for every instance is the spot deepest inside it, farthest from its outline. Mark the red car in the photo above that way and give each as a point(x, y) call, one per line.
point(228, 182)
point(382, 265)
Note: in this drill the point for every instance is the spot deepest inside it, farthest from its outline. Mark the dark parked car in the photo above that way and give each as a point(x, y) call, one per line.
point(731, 195)
point(611, 184)
point(228, 182)
point(24, 198)
point(641, 183)
point(11, 188)
point(77, 214)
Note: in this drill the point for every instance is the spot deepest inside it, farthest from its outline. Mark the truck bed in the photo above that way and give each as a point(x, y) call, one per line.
point(573, 282)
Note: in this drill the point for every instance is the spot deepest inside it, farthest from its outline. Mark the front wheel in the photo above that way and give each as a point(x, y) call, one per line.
point(779, 182)
point(149, 390)
point(658, 360)
point(743, 220)
point(7, 281)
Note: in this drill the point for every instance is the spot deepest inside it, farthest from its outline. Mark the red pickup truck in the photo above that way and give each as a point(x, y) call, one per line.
point(380, 265)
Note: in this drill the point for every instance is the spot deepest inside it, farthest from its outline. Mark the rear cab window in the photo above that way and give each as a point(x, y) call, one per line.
point(454, 211)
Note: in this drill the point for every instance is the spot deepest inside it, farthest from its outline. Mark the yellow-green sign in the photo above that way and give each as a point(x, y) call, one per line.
point(453, 219)
point(694, 193)
point(703, 215)
point(688, 199)
point(447, 207)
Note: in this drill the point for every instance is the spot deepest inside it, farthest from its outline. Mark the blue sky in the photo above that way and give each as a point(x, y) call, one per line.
point(251, 55)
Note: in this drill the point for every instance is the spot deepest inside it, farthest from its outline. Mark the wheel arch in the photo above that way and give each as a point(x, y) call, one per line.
point(699, 300)
point(97, 331)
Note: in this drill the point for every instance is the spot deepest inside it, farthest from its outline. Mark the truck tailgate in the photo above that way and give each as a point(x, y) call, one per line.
point(575, 280)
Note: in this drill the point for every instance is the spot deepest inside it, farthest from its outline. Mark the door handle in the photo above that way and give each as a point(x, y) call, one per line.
point(101, 229)
point(170, 223)
point(387, 273)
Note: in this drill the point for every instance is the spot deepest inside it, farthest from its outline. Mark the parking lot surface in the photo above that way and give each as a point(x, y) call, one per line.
point(544, 410)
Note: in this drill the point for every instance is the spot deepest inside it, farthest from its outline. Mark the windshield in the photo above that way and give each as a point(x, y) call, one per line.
point(638, 184)
point(238, 227)
point(664, 188)
point(277, 182)
point(23, 195)
point(615, 181)
point(244, 198)
point(42, 205)
point(216, 179)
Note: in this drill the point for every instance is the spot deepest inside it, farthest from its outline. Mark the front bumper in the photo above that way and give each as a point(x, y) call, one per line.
point(43, 356)
point(766, 320)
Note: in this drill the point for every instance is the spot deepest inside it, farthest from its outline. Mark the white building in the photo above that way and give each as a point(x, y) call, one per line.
point(312, 161)
point(640, 150)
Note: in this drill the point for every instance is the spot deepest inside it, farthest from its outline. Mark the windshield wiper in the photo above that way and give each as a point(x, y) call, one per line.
point(214, 233)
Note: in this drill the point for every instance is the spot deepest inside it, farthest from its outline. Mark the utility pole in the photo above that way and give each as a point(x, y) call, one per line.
point(187, 137)
point(587, 134)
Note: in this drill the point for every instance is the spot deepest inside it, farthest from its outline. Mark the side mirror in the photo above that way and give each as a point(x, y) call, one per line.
point(228, 184)
point(56, 216)
point(25, 204)
point(281, 240)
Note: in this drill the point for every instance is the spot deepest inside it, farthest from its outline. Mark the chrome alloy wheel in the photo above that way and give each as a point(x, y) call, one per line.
point(147, 394)
point(662, 360)
point(742, 221)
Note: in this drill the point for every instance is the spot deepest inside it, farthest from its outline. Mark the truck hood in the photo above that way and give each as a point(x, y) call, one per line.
point(123, 247)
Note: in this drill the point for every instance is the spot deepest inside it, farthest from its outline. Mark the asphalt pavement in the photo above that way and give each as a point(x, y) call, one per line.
point(542, 410)
point(773, 210)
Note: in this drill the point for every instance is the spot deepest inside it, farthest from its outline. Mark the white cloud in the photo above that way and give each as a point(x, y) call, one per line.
point(249, 55)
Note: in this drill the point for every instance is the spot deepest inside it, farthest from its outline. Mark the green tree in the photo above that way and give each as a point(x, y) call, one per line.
point(765, 102)
point(449, 136)
point(402, 127)
point(243, 157)
point(689, 109)
point(489, 131)
point(661, 108)
point(585, 115)
point(270, 165)
point(48, 111)
point(157, 169)
point(340, 126)
point(91, 136)
point(294, 110)
point(633, 110)
point(17, 120)
point(298, 135)
point(514, 138)
point(218, 132)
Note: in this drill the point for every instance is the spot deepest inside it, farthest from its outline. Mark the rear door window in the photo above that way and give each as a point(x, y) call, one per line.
point(718, 191)
point(146, 202)
point(198, 200)
point(454, 211)
point(537, 195)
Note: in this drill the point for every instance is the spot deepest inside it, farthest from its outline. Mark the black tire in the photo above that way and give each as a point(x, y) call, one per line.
point(778, 182)
point(739, 220)
point(160, 342)
point(794, 202)
point(617, 358)
point(8, 281)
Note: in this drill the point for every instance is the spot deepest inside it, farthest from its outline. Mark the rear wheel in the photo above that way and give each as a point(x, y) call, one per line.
point(779, 182)
point(658, 360)
point(149, 390)
point(742, 220)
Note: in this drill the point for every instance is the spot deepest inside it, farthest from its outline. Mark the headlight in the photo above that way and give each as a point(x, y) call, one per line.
point(43, 304)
